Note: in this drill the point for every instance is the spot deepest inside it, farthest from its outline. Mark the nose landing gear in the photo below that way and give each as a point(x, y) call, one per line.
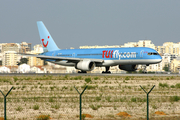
point(144, 69)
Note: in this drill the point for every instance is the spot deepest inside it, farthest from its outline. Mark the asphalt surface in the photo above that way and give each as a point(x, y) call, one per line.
point(83, 74)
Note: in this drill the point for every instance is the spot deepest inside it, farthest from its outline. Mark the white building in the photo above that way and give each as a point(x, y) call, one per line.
point(141, 43)
point(146, 43)
point(97, 46)
point(4, 69)
point(36, 70)
point(130, 44)
point(23, 68)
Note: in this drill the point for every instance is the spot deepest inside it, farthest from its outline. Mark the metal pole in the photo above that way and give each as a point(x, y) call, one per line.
point(147, 106)
point(5, 102)
point(80, 107)
point(80, 101)
point(148, 100)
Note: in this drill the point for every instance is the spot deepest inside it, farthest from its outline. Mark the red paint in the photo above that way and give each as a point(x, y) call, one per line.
point(107, 54)
point(103, 53)
point(45, 45)
point(48, 37)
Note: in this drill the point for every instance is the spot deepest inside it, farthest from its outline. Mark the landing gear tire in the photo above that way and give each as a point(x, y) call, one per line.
point(82, 71)
point(108, 72)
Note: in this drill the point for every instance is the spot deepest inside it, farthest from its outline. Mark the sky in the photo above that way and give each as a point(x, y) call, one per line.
point(74, 23)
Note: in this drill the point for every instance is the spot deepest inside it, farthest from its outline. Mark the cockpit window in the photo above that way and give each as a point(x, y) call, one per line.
point(151, 53)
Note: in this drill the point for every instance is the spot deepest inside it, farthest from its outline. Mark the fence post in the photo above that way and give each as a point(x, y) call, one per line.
point(148, 100)
point(5, 102)
point(80, 94)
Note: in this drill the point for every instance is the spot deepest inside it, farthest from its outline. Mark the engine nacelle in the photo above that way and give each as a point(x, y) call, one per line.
point(85, 65)
point(128, 67)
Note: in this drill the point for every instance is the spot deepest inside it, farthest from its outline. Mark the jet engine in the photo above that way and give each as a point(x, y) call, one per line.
point(128, 67)
point(85, 65)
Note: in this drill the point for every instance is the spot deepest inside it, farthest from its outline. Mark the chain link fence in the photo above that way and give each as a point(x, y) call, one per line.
point(105, 98)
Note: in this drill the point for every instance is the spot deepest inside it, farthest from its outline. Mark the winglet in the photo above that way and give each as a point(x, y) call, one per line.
point(45, 37)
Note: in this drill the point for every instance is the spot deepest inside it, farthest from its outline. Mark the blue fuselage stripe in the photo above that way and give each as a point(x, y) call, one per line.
point(107, 53)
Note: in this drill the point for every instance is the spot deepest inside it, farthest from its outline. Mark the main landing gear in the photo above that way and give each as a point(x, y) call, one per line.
point(107, 70)
point(82, 71)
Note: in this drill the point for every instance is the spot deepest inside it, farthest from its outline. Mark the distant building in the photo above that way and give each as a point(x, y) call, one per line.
point(175, 65)
point(130, 44)
point(154, 68)
point(97, 46)
point(25, 47)
point(1, 46)
point(33, 61)
point(146, 43)
point(9, 58)
point(23, 68)
point(10, 47)
point(170, 48)
point(141, 43)
point(160, 49)
point(4, 69)
point(37, 69)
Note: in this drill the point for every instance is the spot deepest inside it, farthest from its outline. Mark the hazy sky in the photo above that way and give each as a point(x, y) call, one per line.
point(73, 23)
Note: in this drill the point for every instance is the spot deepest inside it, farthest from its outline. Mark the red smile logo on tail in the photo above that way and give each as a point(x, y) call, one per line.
point(45, 45)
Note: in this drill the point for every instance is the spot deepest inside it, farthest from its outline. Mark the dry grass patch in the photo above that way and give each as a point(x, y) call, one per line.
point(43, 117)
point(87, 115)
point(123, 114)
point(160, 113)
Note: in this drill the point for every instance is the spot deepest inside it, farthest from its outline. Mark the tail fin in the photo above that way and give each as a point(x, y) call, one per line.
point(46, 39)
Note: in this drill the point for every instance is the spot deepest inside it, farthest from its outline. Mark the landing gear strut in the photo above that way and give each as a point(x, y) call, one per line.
point(144, 69)
point(107, 70)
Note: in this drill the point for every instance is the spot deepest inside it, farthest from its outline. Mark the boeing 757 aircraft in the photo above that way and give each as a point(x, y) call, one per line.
point(87, 59)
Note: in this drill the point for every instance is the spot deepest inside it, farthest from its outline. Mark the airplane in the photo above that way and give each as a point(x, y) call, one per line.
point(87, 59)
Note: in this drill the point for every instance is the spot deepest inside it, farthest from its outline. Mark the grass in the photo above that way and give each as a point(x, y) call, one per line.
point(98, 98)
point(174, 98)
point(109, 93)
point(51, 99)
point(56, 106)
point(137, 99)
point(95, 107)
point(163, 85)
point(127, 78)
point(88, 80)
point(36, 107)
point(177, 85)
point(19, 108)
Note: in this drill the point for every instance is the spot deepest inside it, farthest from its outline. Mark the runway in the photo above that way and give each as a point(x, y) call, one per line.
point(83, 74)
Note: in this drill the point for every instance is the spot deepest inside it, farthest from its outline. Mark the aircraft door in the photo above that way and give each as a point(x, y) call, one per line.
point(141, 53)
point(73, 55)
point(53, 54)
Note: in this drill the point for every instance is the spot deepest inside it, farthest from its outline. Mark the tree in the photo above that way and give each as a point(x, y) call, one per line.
point(45, 62)
point(140, 71)
point(166, 67)
point(22, 61)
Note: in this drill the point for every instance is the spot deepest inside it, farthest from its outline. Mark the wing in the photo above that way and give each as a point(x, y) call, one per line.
point(69, 59)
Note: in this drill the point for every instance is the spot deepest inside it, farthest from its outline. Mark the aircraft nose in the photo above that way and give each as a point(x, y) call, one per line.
point(159, 58)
